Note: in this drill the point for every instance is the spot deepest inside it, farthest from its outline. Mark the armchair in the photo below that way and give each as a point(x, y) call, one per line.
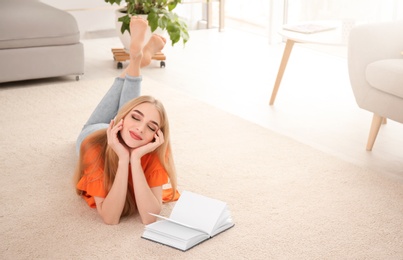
point(38, 41)
point(375, 66)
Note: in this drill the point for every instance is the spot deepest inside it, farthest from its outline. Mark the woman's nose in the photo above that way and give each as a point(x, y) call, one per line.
point(141, 128)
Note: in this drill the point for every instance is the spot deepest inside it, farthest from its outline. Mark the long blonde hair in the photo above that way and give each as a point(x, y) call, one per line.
point(109, 159)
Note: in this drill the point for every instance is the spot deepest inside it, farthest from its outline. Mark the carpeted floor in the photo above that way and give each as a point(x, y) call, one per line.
point(288, 200)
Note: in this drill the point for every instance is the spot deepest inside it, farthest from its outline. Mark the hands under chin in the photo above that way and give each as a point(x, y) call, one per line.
point(137, 153)
point(123, 151)
point(115, 141)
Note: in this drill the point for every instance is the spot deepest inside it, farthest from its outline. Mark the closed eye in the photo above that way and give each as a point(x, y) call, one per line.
point(152, 128)
point(136, 117)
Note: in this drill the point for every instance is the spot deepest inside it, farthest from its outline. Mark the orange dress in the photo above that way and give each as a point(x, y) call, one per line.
point(92, 181)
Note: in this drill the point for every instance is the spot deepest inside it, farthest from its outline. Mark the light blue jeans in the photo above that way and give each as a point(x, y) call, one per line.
point(121, 91)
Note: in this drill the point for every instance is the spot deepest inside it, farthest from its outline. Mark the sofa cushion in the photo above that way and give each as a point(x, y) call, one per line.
point(386, 75)
point(30, 23)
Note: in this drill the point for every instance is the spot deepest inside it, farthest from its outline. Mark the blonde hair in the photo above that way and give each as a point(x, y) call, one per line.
point(108, 158)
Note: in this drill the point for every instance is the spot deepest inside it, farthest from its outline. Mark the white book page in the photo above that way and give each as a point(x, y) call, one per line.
point(177, 222)
point(174, 231)
point(198, 211)
point(172, 234)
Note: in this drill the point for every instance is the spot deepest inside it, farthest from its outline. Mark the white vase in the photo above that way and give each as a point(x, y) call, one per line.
point(125, 37)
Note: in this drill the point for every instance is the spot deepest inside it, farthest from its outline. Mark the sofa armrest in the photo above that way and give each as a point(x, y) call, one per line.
point(368, 43)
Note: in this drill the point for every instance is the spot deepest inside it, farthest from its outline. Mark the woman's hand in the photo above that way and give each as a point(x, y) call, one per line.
point(138, 152)
point(114, 142)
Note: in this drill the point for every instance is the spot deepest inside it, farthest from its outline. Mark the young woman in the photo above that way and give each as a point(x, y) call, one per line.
point(124, 148)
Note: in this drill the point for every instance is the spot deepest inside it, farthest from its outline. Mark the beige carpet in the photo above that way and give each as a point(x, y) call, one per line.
point(288, 200)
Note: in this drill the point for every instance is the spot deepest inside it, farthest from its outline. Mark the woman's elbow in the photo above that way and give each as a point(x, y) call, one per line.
point(148, 220)
point(110, 221)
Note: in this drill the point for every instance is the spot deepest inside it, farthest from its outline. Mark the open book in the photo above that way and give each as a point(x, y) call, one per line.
point(194, 219)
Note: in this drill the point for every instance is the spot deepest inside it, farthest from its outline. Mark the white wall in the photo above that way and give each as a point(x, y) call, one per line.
point(96, 15)
point(91, 15)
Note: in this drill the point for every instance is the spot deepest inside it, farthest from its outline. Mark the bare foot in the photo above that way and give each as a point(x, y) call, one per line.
point(138, 28)
point(154, 45)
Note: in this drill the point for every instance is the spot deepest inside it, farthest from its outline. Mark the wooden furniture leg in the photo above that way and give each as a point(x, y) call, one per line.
point(209, 14)
point(222, 15)
point(286, 55)
point(377, 120)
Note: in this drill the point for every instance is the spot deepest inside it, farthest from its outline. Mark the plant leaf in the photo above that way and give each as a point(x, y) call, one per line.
point(159, 15)
point(113, 2)
point(125, 23)
point(153, 20)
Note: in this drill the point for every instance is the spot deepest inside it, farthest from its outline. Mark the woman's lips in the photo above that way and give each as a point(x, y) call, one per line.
point(135, 136)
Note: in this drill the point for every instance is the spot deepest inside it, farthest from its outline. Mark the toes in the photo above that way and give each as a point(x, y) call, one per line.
point(163, 38)
point(137, 18)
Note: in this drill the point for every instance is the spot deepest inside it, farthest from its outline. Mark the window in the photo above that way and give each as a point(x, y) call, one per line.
point(265, 16)
point(363, 11)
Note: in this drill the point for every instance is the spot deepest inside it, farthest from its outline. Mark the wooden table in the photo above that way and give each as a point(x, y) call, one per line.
point(335, 36)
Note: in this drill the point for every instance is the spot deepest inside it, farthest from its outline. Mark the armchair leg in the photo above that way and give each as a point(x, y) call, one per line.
point(377, 120)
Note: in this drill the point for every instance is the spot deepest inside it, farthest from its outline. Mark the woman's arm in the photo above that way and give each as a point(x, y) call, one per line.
point(148, 200)
point(110, 208)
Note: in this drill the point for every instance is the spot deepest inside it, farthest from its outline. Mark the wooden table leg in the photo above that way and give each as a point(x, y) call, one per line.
point(222, 16)
point(209, 14)
point(287, 51)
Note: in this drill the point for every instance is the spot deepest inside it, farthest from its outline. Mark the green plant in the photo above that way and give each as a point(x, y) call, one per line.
point(159, 15)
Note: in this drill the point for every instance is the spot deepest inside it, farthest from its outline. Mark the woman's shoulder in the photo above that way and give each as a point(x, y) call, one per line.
point(150, 160)
point(91, 153)
point(92, 179)
point(154, 171)
point(93, 163)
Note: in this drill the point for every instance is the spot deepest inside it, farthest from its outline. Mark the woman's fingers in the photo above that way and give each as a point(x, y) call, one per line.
point(113, 140)
point(159, 137)
point(109, 131)
point(112, 131)
point(110, 126)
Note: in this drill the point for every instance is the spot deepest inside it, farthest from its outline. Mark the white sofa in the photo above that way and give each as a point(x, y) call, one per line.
point(38, 41)
point(375, 64)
